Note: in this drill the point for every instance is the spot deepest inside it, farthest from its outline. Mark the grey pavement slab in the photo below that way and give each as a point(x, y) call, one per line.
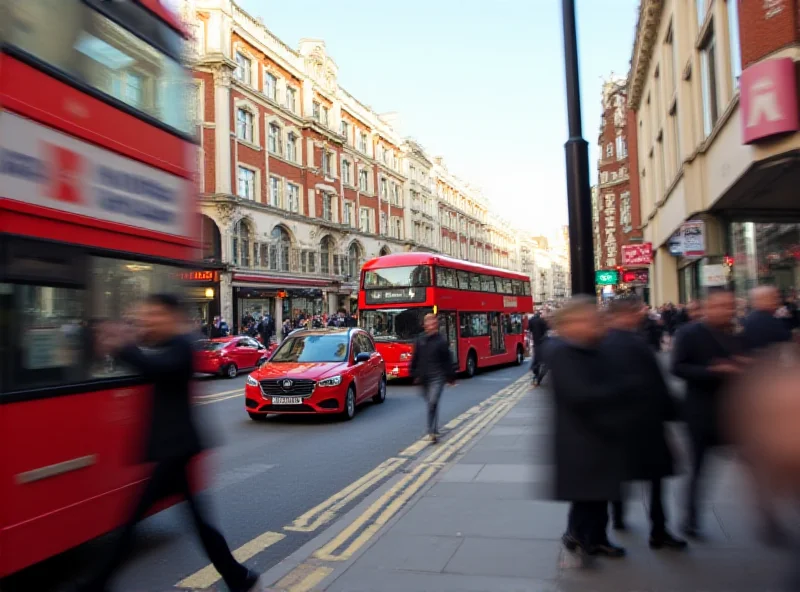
point(481, 492)
point(514, 473)
point(462, 473)
point(506, 557)
point(413, 552)
point(369, 580)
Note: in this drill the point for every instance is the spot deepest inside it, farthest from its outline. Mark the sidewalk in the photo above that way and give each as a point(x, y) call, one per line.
point(484, 525)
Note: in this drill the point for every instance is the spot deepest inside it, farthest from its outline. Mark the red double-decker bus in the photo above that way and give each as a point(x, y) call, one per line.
point(481, 309)
point(96, 211)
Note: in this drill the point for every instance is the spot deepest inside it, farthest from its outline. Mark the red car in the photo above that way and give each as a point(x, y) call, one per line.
point(228, 355)
point(318, 371)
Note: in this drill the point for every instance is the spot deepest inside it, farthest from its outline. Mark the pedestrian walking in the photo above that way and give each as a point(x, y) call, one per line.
point(762, 329)
point(432, 366)
point(589, 402)
point(173, 438)
point(538, 328)
point(647, 450)
point(707, 355)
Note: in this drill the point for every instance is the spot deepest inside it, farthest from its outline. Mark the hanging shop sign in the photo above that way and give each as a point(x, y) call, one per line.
point(606, 277)
point(610, 228)
point(713, 276)
point(641, 254)
point(636, 277)
point(693, 241)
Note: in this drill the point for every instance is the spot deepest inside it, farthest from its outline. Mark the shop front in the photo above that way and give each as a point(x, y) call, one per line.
point(202, 295)
point(283, 298)
point(765, 253)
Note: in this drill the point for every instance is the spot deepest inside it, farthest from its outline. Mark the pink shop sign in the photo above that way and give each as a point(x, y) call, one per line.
point(768, 100)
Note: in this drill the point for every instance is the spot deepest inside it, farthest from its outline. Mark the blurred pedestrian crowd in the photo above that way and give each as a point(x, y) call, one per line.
point(741, 368)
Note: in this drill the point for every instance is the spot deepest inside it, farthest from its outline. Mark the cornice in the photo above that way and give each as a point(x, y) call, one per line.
point(646, 36)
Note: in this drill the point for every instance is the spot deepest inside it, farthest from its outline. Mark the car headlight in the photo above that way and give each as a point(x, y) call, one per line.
point(332, 381)
point(251, 381)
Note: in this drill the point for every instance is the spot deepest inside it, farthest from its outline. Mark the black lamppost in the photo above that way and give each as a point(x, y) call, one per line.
point(579, 199)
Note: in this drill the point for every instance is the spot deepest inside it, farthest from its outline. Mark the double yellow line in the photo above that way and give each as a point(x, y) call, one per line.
point(306, 576)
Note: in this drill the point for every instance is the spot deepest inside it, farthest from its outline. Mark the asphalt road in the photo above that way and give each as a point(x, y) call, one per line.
point(265, 475)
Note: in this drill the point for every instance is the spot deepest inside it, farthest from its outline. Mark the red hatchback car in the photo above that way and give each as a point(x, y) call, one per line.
point(318, 371)
point(228, 355)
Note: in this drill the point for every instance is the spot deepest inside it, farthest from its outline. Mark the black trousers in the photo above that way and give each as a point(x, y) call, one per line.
point(701, 444)
point(587, 523)
point(658, 519)
point(171, 477)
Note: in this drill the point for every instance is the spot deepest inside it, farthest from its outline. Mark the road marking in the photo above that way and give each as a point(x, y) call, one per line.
point(327, 510)
point(303, 578)
point(363, 528)
point(212, 395)
point(208, 576)
point(416, 447)
point(220, 399)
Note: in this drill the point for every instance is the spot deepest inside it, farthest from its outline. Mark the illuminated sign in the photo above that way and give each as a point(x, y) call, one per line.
point(636, 277)
point(396, 295)
point(606, 277)
point(641, 254)
point(610, 227)
point(198, 276)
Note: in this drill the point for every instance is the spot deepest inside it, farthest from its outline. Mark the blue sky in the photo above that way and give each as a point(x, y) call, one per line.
point(478, 82)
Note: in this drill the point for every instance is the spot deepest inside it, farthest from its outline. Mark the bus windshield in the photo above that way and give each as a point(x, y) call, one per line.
point(84, 45)
point(394, 324)
point(411, 276)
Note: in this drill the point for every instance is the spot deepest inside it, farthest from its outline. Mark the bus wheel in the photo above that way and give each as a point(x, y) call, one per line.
point(520, 355)
point(472, 364)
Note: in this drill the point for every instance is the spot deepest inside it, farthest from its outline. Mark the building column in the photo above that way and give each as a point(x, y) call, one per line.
point(664, 278)
point(222, 132)
point(226, 298)
point(278, 318)
point(333, 302)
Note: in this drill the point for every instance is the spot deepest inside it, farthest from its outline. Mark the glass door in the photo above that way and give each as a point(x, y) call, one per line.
point(497, 339)
point(449, 329)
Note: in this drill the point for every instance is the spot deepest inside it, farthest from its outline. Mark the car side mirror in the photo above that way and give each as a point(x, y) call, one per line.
point(362, 357)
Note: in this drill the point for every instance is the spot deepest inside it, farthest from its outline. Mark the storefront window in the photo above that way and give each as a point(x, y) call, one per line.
point(765, 253)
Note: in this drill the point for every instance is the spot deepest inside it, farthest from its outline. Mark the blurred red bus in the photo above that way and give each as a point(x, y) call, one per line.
point(482, 310)
point(96, 210)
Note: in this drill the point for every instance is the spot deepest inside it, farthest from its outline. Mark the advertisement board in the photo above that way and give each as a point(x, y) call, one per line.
point(44, 167)
point(693, 240)
point(636, 277)
point(641, 254)
point(606, 277)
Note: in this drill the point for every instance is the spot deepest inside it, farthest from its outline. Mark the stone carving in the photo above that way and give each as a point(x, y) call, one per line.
point(226, 212)
point(222, 76)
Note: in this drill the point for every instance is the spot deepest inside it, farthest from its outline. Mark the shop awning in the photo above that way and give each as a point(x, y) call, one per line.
point(278, 281)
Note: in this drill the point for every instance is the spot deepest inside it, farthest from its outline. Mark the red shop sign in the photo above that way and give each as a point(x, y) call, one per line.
point(639, 277)
point(641, 254)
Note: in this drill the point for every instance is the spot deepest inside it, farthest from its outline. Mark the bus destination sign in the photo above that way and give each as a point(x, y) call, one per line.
point(395, 295)
point(198, 276)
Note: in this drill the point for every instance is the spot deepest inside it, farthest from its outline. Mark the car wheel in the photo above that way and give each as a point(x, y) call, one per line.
point(349, 411)
point(520, 355)
point(257, 416)
point(472, 364)
point(380, 396)
point(231, 371)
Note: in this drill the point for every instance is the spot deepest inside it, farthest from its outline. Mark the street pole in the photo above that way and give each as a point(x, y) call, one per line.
point(579, 199)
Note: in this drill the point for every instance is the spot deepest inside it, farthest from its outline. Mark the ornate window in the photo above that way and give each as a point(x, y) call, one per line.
point(354, 256)
point(280, 249)
point(325, 251)
point(240, 246)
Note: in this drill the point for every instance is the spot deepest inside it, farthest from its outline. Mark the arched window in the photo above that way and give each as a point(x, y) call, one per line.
point(279, 249)
point(241, 244)
point(354, 254)
point(210, 240)
point(325, 253)
point(385, 251)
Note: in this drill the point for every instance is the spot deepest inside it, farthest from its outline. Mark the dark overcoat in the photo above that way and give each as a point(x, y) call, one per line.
point(589, 403)
point(647, 449)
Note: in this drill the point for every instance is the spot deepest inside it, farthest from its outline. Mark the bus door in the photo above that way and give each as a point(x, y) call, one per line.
point(497, 339)
point(448, 328)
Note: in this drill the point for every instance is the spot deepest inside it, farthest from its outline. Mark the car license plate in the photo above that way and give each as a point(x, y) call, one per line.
point(287, 400)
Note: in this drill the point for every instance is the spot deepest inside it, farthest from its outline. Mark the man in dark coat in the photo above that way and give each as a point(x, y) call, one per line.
point(538, 328)
point(590, 399)
point(647, 451)
point(432, 366)
point(762, 329)
point(173, 439)
point(707, 354)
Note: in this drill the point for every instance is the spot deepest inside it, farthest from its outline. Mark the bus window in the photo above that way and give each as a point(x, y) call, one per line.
point(487, 284)
point(516, 288)
point(463, 280)
point(446, 277)
point(527, 287)
point(475, 282)
point(411, 276)
point(513, 324)
point(474, 324)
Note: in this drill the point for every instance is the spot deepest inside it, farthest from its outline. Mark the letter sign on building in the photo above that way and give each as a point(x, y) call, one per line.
point(768, 99)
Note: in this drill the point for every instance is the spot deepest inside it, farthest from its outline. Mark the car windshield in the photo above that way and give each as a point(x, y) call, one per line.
point(204, 345)
point(394, 324)
point(312, 348)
